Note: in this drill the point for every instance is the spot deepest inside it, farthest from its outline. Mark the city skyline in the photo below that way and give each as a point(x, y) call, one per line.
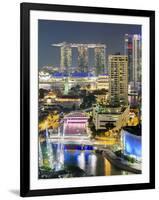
point(90, 96)
point(50, 31)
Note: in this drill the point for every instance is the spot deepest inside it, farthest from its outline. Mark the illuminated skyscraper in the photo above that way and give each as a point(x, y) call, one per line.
point(118, 79)
point(99, 56)
point(66, 57)
point(128, 48)
point(136, 57)
point(83, 58)
point(133, 51)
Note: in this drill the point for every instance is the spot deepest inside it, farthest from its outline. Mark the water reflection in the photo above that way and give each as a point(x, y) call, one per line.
point(66, 157)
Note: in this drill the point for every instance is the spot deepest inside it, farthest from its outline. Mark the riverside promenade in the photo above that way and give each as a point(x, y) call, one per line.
point(119, 162)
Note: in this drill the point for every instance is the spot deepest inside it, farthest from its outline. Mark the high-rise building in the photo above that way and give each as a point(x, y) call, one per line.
point(99, 58)
point(82, 58)
point(118, 79)
point(66, 57)
point(128, 48)
point(137, 57)
point(133, 50)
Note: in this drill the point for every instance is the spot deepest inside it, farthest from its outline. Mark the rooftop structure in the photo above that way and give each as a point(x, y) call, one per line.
point(75, 45)
point(75, 123)
point(74, 74)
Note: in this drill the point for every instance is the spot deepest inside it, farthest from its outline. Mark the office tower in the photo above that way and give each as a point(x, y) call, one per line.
point(82, 58)
point(99, 59)
point(133, 51)
point(128, 49)
point(118, 79)
point(137, 57)
point(66, 57)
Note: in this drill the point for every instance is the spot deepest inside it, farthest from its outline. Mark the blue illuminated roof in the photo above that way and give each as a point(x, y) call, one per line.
point(81, 74)
point(75, 75)
point(59, 75)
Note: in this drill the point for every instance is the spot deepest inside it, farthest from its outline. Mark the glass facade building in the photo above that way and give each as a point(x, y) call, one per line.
point(131, 144)
point(133, 50)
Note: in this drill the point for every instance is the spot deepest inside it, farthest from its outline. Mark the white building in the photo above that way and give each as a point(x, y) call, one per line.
point(44, 76)
point(102, 116)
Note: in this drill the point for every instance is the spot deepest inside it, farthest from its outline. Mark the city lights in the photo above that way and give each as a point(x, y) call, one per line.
point(90, 106)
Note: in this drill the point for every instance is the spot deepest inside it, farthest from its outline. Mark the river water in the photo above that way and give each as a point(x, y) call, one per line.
point(59, 156)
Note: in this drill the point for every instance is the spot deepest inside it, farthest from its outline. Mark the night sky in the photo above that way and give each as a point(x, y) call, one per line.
point(50, 31)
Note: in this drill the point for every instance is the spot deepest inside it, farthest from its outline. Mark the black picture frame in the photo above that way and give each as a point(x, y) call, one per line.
point(25, 9)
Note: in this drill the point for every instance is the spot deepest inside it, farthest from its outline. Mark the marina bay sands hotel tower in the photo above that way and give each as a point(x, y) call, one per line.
point(83, 57)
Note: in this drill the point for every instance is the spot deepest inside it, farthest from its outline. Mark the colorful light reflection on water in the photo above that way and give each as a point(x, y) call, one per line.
point(58, 156)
